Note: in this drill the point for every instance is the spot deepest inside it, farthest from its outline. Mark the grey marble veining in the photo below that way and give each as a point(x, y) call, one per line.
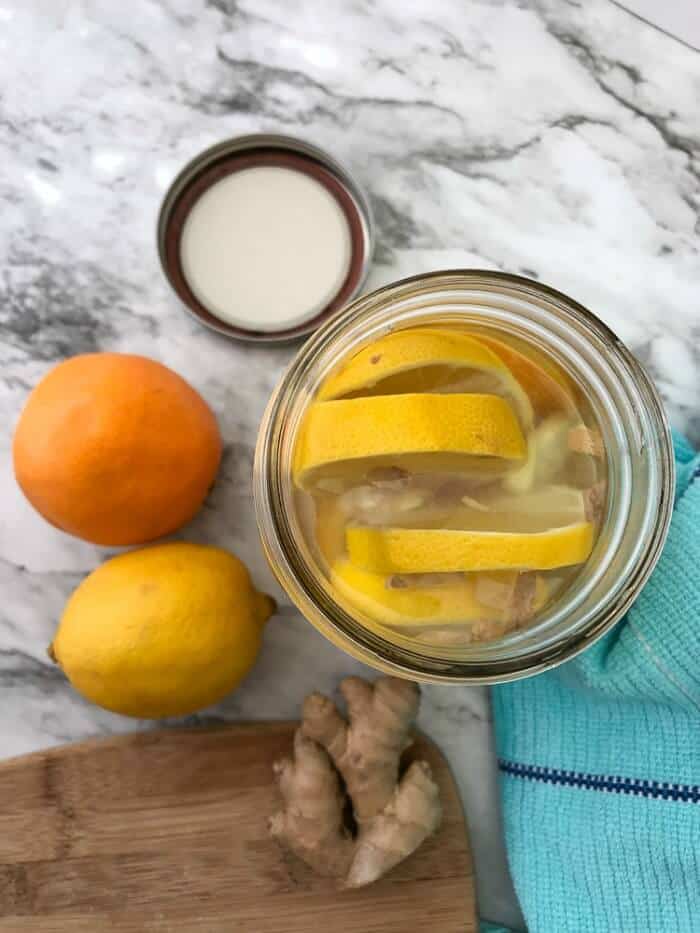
point(556, 138)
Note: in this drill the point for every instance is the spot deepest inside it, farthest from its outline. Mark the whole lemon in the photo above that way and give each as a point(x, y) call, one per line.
point(116, 448)
point(162, 631)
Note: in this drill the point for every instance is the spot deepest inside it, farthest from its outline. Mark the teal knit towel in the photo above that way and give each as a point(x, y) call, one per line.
point(600, 760)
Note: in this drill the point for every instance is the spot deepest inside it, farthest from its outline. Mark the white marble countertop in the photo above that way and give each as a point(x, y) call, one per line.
point(556, 138)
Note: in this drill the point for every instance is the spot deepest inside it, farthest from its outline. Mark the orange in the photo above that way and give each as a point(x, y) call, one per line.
point(116, 449)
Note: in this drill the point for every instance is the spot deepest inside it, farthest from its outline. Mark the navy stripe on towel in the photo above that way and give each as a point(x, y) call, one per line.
point(613, 784)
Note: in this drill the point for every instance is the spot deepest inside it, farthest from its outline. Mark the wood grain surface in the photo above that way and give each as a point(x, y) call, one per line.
point(167, 831)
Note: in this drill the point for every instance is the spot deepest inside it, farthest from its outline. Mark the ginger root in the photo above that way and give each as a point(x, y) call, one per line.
point(393, 815)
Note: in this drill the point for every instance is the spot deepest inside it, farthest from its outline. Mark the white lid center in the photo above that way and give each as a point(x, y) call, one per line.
point(266, 248)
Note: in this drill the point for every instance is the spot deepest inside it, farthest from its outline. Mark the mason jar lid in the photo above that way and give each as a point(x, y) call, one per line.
point(262, 237)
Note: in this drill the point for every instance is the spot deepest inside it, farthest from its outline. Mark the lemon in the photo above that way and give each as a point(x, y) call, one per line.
point(424, 360)
point(162, 631)
point(383, 429)
point(396, 602)
point(429, 550)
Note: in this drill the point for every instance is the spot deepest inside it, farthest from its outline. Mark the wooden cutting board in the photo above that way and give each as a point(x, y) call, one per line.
point(167, 831)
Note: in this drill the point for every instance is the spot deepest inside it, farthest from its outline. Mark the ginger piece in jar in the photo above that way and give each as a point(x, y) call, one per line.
point(404, 505)
point(519, 595)
point(595, 499)
point(497, 588)
point(585, 440)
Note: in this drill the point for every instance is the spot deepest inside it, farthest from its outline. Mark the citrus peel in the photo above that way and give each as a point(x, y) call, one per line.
point(392, 602)
point(344, 431)
point(429, 550)
point(426, 360)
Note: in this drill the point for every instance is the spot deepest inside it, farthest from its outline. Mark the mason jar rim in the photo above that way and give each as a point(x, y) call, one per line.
point(381, 309)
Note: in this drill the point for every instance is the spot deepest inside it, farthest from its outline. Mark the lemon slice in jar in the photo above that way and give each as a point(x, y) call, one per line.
point(434, 599)
point(425, 600)
point(431, 550)
point(347, 437)
point(401, 601)
point(426, 360)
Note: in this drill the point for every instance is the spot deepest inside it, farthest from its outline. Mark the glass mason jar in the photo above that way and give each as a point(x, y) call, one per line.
point(639, 463)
